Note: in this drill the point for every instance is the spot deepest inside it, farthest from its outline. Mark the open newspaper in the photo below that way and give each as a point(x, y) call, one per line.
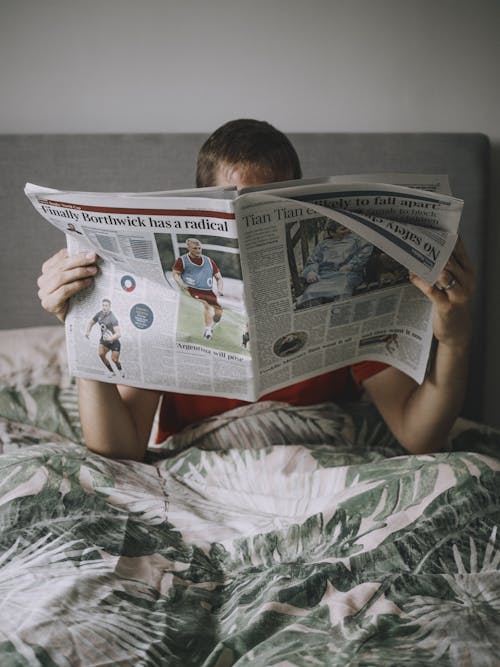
point(239, 293)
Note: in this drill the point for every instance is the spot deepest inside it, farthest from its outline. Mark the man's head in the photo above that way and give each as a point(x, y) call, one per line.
point(246, 152)
point(335, 230)
point(194, 247)
point(106, 305)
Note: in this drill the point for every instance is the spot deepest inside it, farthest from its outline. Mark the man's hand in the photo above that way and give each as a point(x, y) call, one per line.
point(312, 277)
point(452, 298)
point(62, 277)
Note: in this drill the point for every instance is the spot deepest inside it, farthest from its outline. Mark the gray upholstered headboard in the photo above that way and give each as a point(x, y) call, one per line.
point(141, 162)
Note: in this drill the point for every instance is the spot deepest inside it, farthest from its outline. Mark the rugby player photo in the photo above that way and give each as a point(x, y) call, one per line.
point(194, 273)
point(109, 340)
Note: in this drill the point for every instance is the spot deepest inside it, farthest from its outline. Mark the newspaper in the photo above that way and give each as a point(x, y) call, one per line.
point(215, 291)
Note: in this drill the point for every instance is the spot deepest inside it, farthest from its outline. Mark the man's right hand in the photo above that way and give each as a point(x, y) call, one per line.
point(62, 276)
point(312, 277)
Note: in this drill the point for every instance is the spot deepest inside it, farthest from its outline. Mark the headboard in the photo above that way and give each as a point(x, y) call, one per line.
point(142, 162)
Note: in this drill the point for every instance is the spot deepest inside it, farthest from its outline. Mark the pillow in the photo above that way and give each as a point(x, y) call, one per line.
point(35, 386)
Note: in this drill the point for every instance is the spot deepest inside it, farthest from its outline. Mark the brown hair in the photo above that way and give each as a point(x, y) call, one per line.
point(251, 144)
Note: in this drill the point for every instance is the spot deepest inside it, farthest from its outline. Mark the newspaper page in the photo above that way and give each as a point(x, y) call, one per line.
point(337, 257)
point(138, 325)
point(259, 315)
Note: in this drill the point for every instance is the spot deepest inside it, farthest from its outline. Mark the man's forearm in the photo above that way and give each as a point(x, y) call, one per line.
point(107, 422)
point(421, 416)
point(436, 403)
point(178, 279)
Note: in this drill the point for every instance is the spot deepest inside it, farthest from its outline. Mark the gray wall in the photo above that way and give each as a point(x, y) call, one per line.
point(321, 65)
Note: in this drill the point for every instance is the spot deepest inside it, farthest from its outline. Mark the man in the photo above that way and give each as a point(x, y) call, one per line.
point(246, 153)
point(109, 340)
point(336, 265)
point(194, 272)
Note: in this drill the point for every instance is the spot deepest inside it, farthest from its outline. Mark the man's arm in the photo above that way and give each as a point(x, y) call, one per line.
point(178, 279)
point(360, 257)
point(421, 416)
point(89, 328)
point(116, 333)
point(220, 283)
point(116, 420)
point(311, 268)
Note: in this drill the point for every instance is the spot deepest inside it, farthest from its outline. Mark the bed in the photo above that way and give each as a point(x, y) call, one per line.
point(270, 535)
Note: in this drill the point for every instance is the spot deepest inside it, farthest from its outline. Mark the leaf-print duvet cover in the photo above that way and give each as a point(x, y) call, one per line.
point(272, 535)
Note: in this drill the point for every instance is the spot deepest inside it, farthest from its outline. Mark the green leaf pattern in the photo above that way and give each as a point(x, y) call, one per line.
point(271, 535)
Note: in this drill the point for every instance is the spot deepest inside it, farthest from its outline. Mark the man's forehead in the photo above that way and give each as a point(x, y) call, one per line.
point(242, 175)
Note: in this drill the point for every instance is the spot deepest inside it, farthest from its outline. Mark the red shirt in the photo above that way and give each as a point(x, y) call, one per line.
point(179, 410)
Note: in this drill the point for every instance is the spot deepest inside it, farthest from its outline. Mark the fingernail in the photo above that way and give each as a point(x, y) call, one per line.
point(90, 255)
point(91, 269)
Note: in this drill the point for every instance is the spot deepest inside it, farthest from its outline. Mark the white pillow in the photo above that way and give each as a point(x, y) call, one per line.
point(32, 356)
point(35, 386)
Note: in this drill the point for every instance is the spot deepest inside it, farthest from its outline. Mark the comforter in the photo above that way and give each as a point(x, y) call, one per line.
point(272, 535)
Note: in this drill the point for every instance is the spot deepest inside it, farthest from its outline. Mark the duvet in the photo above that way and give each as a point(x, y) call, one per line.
point(270, 536)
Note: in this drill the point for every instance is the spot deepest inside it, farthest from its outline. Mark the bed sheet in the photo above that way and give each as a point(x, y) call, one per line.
point(271, 535)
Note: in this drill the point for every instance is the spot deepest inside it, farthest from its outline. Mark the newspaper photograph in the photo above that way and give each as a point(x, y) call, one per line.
point(236, 294)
